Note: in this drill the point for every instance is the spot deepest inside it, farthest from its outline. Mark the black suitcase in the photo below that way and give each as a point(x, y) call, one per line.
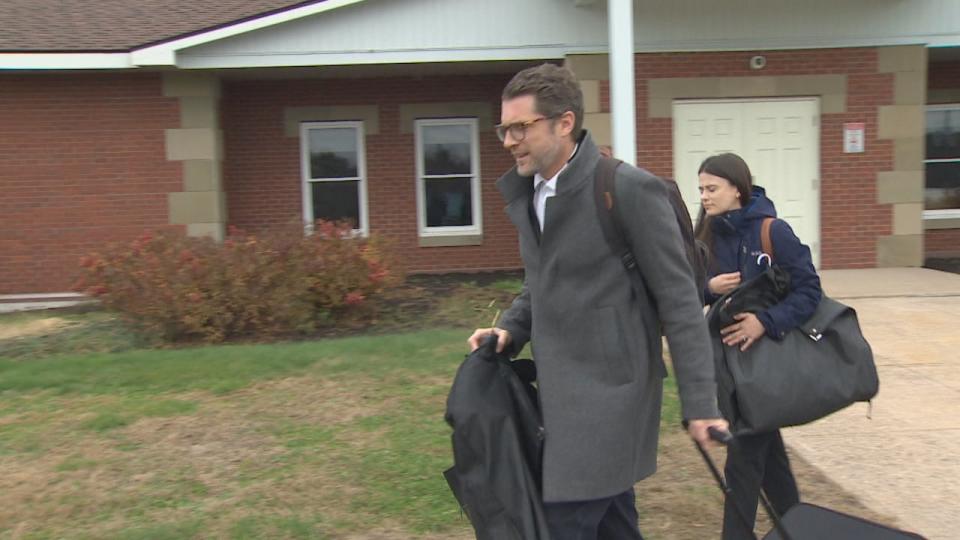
point(809, 521)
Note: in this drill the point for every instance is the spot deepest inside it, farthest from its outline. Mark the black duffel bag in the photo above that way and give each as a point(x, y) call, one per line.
point(816, 369)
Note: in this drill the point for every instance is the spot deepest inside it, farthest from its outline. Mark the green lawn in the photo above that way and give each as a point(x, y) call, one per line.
point(300, 440)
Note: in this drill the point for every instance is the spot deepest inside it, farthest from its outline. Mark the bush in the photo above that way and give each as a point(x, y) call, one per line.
point(281, 283)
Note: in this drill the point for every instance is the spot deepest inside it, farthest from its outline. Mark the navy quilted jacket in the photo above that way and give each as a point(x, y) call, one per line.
point(737, 247)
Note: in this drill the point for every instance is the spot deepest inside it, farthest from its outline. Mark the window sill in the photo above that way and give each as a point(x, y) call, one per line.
point(941, 219)
point(451, 240)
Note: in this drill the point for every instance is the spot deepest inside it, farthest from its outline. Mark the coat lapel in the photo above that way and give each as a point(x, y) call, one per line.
point(518, 192)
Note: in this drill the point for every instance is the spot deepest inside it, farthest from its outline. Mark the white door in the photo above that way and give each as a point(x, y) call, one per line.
point(778, 138)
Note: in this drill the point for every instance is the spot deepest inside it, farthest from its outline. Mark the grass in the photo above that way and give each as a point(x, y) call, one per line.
point(290, 440)
point(334, 438)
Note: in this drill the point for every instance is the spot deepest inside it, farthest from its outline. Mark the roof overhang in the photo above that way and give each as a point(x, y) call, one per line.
point(165, 54)
point(159, 54)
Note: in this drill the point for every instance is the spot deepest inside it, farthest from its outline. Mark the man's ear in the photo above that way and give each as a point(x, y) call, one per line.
point(565, 122)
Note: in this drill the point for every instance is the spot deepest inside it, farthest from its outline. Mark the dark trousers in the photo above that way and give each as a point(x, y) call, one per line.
point(613, 518)
point(755, 461)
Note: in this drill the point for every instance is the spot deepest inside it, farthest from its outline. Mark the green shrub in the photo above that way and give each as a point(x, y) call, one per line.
point(280, 283)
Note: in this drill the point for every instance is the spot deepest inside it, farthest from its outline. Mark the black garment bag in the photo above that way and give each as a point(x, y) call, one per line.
point(497, 443)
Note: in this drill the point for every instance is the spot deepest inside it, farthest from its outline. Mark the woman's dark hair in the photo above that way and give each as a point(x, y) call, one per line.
point(733, 169)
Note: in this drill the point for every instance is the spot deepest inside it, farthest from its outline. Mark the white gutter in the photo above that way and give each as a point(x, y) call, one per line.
point(622, 101)
point(65, 61)
point(399, 56)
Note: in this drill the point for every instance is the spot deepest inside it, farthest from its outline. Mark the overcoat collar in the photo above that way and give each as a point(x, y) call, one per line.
point(579, 171)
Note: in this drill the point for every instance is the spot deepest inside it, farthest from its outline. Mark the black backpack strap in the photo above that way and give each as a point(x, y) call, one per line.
point(604, 195)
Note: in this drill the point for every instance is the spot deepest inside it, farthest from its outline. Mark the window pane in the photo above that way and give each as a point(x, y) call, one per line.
point(943, 134)
point(449, 202)
point(333, 153)
point(446, 149)
point(943, 186)
point(335, 201)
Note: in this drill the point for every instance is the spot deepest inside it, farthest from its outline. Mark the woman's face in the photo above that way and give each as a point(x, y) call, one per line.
point(718, 195)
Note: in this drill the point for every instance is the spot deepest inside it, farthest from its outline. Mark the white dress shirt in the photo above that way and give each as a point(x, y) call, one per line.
point(544, 188)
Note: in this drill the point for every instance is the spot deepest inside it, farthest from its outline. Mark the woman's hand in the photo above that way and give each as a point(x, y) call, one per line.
point(744, 333)
point(724, 283)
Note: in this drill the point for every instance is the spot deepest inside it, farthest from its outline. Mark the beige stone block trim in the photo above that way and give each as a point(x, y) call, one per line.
point(908, 153)
point(900, 187)
point(196, 207)
point(900, 121)
point(199, 112)
point(902, 58)
point(183, 84)
point(202, 175)
point(194, 143)
point(600, 127)
point(833, 103)
point(662, 92)
point(451, 241)
point(943, 95)
point(217, 231)
point(591, 96)
point(900, 250)
point(294, 116)
point(908, 218)
point(660, 108)
point(910, 88)
point(482, 111)
point(589, 66)
point(934, 224)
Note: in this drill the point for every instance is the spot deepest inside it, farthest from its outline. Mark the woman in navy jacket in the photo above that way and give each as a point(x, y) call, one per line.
point(731, 214)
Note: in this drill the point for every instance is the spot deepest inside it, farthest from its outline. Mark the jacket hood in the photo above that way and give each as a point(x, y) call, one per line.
point(760, 207)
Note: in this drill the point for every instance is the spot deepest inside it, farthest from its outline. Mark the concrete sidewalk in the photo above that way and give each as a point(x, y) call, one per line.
point(904, 461)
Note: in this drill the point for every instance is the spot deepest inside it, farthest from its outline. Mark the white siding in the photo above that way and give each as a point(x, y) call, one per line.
point(388, 31)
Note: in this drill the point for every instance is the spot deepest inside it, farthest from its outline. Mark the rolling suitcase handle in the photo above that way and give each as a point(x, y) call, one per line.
point(726, 438)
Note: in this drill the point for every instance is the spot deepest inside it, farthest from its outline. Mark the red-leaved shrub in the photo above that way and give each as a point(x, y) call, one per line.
point(279, 283)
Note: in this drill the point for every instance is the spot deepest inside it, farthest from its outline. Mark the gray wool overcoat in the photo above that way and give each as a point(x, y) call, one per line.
point(596, 343)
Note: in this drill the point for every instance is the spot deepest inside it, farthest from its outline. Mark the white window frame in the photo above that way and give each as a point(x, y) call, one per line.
point(305, 180)
point(947, 213)
point(477, 207)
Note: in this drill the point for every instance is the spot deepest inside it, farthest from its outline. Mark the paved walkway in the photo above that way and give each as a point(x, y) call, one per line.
point(905, 461)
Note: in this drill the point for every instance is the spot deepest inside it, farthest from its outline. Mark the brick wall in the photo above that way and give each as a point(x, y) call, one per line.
point(942, 243)
point(262, 164)
point(82, 163)
point(851, 220)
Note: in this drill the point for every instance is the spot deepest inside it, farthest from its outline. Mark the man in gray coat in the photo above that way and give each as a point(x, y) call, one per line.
point(595, 341)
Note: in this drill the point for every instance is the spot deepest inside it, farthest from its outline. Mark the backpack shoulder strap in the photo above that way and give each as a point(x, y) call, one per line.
point(604, 195)
point(766, 243)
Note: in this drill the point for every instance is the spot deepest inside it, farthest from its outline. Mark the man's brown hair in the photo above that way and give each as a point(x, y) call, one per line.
point(555, 89)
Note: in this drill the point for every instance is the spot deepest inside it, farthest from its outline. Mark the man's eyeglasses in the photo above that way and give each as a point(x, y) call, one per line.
point(517, 130)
